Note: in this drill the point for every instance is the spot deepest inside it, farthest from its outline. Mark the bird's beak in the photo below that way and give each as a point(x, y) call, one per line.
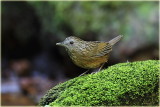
point(60, 44)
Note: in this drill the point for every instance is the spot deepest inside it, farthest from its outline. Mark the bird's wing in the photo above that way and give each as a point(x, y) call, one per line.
point(101, 49)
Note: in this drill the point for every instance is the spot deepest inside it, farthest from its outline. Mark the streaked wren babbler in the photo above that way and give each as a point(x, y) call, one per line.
point(88, 54)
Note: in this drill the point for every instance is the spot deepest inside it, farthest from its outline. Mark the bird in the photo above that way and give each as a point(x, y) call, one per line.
point(88, 54)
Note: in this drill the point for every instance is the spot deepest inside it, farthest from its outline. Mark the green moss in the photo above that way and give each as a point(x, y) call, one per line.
point(121, 84)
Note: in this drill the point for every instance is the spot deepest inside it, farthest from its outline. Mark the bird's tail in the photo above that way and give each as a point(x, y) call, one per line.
point(115, 40)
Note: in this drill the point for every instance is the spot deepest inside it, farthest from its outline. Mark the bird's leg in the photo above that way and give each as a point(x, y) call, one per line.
point(84, 73)
point(101, 67)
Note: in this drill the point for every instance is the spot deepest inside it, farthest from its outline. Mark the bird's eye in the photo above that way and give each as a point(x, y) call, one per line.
point(71, 42)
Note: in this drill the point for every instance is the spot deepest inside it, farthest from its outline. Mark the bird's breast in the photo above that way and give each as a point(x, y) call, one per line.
point(88, 62)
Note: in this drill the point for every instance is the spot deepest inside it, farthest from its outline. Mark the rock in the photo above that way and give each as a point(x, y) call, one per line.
point(132, 83)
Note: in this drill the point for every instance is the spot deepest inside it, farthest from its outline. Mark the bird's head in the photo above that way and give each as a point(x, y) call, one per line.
point(71, 43)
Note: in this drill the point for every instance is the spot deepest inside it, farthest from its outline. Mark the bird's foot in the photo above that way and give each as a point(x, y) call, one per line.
point(83, 73)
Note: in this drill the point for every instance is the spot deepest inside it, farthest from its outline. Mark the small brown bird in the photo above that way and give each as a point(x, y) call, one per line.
point(88, 54)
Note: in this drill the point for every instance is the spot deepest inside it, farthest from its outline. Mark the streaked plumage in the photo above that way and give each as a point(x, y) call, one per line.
point(88, 54)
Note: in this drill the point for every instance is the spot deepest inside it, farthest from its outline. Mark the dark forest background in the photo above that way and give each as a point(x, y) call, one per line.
point(32, 63)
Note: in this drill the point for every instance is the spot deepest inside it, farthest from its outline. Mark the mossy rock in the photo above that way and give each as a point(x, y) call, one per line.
point(133, 83)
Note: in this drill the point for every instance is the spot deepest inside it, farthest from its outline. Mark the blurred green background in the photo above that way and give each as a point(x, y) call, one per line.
point(32, 63)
